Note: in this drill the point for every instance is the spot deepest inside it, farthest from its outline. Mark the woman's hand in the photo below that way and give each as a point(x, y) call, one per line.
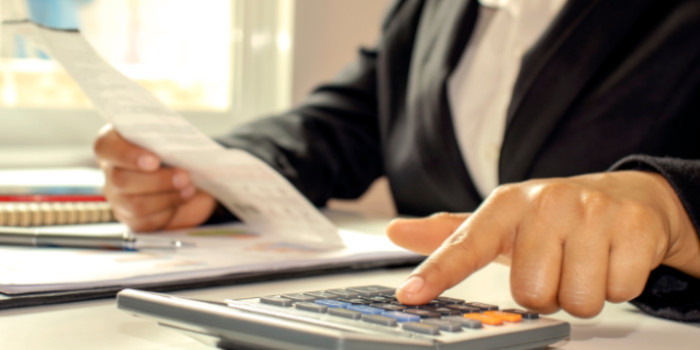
point(573, 242)
point(145, 195)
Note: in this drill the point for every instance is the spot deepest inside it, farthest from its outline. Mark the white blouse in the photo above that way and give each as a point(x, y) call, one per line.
point(480, 88)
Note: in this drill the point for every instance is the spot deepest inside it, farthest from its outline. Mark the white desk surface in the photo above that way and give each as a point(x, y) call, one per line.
point(100, 325)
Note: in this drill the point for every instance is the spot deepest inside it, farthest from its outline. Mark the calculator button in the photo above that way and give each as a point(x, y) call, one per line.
point(423, 313)
point(485, 319)
point(446, 300)
point(445, 325)
point(276, 300)
point(357, 301)
point(505, 316)
point(389, 307)
point(372, 290)
point(444, 311)
point(344, 293)
point(332, 303)
point(377, 299)
point(402, 316)
point(365, 309)
point(420, 327)
point(465, 322)
point(379, 319)
point(483, 307)
point(313, 307)
point(319, 294)
point(527, 315)
point(354, 315)
point(299, 297)
point(463, 308)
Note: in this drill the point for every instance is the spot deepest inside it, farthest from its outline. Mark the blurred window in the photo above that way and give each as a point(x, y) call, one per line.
point(217, 62)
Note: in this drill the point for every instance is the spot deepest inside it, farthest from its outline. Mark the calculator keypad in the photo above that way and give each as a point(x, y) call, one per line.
point(377, 306)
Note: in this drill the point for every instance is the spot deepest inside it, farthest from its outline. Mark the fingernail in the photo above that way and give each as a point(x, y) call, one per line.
point(413, 285)
point(188, 192)
point(180, 180)
point(148, 162)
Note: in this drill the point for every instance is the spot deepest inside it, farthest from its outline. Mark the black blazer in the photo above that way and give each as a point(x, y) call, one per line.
point(610, 85)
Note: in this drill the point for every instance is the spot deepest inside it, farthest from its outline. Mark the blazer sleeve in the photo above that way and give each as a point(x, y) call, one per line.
point(329, 146)
point(670, 293)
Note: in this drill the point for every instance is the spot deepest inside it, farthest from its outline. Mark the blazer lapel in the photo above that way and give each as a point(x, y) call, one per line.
point(442, 39)
point(554, 72)
point(444, 31)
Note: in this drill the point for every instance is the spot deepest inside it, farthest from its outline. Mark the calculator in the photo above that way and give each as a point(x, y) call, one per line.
point(361, 317)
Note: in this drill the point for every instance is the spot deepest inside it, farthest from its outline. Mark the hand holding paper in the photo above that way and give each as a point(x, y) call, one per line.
point(249, 188)
point(145, 195)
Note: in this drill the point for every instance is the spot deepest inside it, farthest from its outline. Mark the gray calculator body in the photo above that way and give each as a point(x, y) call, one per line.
point(251, 324)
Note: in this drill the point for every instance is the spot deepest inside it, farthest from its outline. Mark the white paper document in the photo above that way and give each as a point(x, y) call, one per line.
point(210, 253)
point(245, 185)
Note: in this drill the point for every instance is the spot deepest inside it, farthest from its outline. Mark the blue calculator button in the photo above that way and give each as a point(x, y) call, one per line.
point(402, 316)
point(355, 301)
point(366, 309)
point(332, 303)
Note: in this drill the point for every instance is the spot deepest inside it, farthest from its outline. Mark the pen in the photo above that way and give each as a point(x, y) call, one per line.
point(36, 237)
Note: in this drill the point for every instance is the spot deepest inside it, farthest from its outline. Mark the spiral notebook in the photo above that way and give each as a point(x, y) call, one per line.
point(50, 212)
point(40, 197)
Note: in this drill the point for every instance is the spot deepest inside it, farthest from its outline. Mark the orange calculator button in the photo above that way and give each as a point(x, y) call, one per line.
point(485, 319)
point(505, 316)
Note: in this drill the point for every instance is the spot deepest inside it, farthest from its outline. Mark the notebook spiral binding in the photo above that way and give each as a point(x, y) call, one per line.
point(54, 213)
